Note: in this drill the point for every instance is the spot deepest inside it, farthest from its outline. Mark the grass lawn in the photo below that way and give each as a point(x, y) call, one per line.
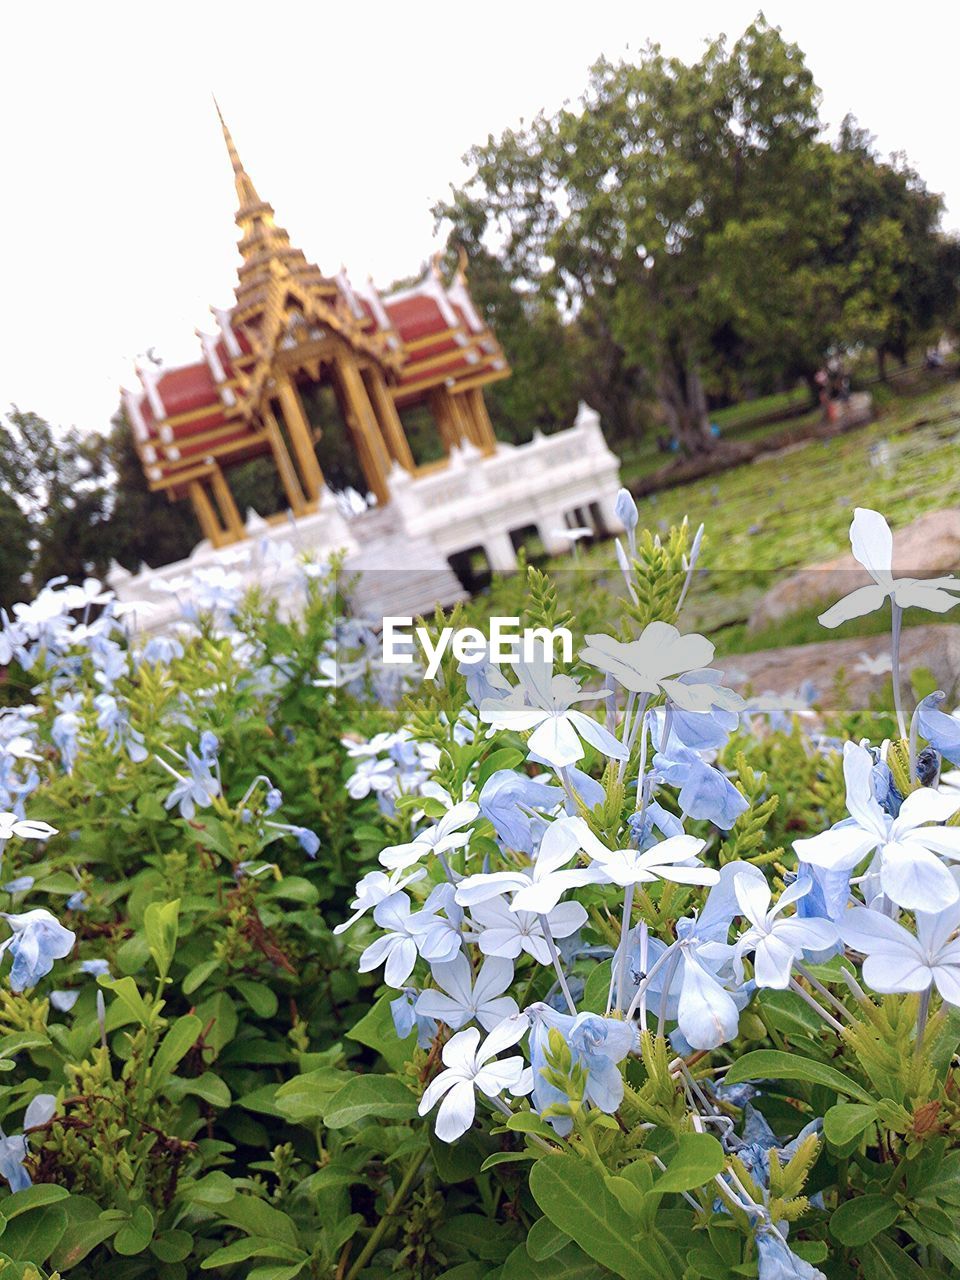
point(791, 509)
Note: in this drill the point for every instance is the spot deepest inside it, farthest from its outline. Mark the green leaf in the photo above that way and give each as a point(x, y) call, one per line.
point(545, 1239)
point(504, 758)
point(34, 1197)
point(208, 1087)
point(307, 1096)
point(161, 923)
point(199, 974)
point(786, 1012)
point(385, 1097)
point(80, 1238)
point(471, 1233)
point(376, 1030)
point(570, 1263)
point(261, 999)
point(258, 1218)
point(135, 1234)
point(699, 1158)
point(597, 988)
point(572, 1194)
point(294, 889)
point(772, 1064)
point(883, 1259)
point(129, 1002)
point(846, 1121)
point(175, 1044)
point(33, 1236)
point(271, 1272)
point(215, 1189)
point(859, 1220)
point(252, 1247)
point(172, 1246)
point(219, 1014)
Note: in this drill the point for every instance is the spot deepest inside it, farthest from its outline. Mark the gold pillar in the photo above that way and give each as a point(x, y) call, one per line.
point(206, 515)
point(286, 469)
point(229, 513)
point(388, 418)
point(463, 415)
point(299, 430)
point(363, 422)
point(442, 411)
point(486, 439)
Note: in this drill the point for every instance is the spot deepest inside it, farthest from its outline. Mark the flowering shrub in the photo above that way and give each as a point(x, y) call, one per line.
point(637, 978)
point(700, 1053)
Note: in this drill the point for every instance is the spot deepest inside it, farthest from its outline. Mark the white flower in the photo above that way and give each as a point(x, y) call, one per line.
point(442, 836)
point(11, 825)
point(505, 932)
point(542, 702)
point(880, 665)
point(872, 544)
point(911, 873)
point(371, 775)
point(397, 947)
point(646, 666)
point(460, 1000)
point(776, 942)
point(373, 889)
point(469, 1067)
point(539, 886)
point(672, 859)
point(898, 961)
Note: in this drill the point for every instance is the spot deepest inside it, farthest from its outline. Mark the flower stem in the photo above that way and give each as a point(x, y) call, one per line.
point(897, 627)
point(815, 1005)
point(922, 1018)
point(555, 957)
point(380, 1230)
point(624, 936)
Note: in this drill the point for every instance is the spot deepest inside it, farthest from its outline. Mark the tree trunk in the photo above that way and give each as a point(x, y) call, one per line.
point(685, 403)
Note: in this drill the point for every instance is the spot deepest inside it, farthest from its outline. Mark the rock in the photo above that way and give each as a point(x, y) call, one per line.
point(783, 671)
point(927, 547)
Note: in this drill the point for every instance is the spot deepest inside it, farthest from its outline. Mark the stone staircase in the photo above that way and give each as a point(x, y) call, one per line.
point(393, 573)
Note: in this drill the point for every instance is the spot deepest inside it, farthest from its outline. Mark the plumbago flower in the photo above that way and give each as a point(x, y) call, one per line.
point(544, 703)
point(872, 545)
point(896, 960)
point(654, 663)
point(439, 838)
point(470, 1068)
point(907, 851)
point(38, 939)
point(461, 999)
point(775, 941)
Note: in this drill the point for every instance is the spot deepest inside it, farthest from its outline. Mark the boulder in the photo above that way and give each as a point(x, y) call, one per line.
point(783, 671)
point(924, 549)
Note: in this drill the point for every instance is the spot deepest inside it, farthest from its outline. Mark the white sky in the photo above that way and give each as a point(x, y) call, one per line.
point(116, 197)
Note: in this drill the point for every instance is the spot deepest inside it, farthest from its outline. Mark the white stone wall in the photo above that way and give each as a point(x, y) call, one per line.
point(474, 501)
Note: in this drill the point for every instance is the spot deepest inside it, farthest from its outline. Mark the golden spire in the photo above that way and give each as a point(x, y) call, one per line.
point(246, 191)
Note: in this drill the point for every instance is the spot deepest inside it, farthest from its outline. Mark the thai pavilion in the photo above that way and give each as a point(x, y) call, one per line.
point(341, 387)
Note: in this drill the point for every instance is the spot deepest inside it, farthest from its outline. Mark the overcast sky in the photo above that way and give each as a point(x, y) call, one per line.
point(116, 199)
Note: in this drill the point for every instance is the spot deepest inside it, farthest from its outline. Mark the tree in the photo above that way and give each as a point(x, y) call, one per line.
point(59, 486)
point(636, 207)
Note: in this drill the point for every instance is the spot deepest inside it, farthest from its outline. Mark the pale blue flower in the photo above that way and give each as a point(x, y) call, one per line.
point(63, 1001)
point(77, 901)
point(95, 967)
point(37, 940)
point(20, 885)
point(942, 731)
point(13, 1152)
point(508, 798)
point(776, 940)
point(406, 1018)
point(461, 999)
point(777, 1261)
point(625, 509)
point(273, 800)
point(198, 789)
point(705, 792)
point(597, 1044)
